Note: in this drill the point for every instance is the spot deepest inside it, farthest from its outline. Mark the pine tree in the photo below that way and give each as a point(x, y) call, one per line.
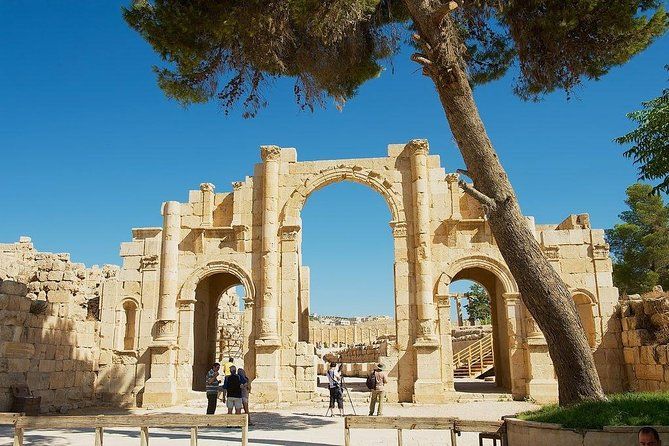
point(640, 245)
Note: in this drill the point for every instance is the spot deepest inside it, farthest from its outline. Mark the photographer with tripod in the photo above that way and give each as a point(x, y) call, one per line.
point(335, 387)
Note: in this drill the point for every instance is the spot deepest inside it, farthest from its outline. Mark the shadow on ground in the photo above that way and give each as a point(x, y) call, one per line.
point(264, 422)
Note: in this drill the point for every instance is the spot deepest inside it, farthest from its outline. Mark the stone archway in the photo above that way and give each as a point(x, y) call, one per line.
point(290, 214)
point(198, 302)
point(495, 277)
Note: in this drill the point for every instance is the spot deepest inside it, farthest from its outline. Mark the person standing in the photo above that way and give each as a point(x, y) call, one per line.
point(226, 372)
point(375, 382)
point(334, 385)
point(212, 387)
point(233, 386)
point(246, 390)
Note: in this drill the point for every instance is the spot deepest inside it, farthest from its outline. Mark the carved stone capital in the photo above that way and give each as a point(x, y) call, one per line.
point(270, 153)
point(149, 263)
point(419, 147)
point(552, 252)
point(399, 229)
point(289, 233)
point(207, 187)
point(600, 251)
point(236, 185)
point(452, 177)
point(444, 301)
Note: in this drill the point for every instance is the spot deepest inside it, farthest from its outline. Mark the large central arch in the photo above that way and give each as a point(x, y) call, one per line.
point(367, 177)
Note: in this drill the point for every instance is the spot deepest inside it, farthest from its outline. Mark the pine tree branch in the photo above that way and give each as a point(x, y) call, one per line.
point(487, 202)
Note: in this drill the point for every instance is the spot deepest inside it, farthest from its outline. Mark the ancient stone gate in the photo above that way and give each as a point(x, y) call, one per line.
point(172, 278)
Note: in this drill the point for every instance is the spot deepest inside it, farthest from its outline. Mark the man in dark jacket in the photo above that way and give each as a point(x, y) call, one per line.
point(233, 386)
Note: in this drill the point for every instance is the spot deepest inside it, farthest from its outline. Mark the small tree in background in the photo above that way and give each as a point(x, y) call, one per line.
point(650, 149)
point(230, 50)
point(640, 245)
point(478, 304)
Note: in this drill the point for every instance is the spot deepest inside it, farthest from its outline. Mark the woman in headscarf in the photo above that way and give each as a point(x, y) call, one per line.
point(246, 389)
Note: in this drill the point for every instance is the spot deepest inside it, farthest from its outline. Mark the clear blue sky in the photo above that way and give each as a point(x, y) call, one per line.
point(89, 146)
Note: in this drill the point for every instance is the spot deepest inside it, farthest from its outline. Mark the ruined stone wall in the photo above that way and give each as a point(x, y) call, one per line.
point(323, 335)
point(645, 338)
point(49, 332)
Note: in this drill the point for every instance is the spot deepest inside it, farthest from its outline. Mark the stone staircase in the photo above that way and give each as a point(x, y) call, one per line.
point(474, 360)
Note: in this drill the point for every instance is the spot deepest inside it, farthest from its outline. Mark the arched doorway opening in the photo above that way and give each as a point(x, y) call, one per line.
point(347, 302)
point(497, 334)
point(211, 326)
point(584, 307)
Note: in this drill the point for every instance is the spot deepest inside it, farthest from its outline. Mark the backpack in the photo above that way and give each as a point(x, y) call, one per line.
point(371, 381)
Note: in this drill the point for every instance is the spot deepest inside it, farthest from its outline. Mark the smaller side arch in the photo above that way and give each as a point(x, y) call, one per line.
point(498, 268)
point(187, 291)
point(127, 319)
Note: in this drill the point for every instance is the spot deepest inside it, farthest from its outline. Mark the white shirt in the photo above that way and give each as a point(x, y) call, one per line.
point(334, 378)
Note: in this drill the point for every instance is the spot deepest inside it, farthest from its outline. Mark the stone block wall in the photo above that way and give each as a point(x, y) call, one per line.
point(49, 332)
point(55, 355)
point(645, 339)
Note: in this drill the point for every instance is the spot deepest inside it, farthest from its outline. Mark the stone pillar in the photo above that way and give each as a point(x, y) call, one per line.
point(270, 242)
point(452, 180)
point(518, 369)
point(266, 383)
point(207, 204)
point(428, 386)
point(422, 242)
point(446, 341)
point(186, 343)
point(169, 272)
point(541, 383)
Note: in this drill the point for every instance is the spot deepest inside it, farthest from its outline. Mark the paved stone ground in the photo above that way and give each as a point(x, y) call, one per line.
point(294, 426)
point(297, 425)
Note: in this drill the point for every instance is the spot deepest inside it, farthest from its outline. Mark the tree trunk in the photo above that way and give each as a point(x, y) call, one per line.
point(542, 290)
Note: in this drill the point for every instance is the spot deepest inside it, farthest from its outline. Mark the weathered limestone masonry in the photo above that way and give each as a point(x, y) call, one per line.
point(349, 335)
point(49, 332)
point(645, 338)
point(158, 316)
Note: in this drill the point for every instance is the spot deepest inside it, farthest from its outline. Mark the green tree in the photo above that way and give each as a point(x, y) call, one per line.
point(650, 149)
point(640, 244)
point(478, 304)
point(230, 50)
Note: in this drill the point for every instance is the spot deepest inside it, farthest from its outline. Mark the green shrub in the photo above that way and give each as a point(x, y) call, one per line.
point(626, 409)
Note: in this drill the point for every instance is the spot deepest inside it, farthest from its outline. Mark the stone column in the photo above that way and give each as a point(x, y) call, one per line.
point(422, 242)
point(446, 341)
point(169, 272)
point(452, 180)
point(428, 386)
point(541, 384)
point(267, 344)
point(270, 255)
point(207, 204)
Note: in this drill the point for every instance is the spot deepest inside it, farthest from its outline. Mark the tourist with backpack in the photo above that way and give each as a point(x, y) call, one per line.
point(375, 382)
point(335, 387)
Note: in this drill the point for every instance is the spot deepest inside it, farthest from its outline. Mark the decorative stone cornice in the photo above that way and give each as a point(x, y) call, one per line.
point(207, 187)
point(270, 153)
point(419, 147)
